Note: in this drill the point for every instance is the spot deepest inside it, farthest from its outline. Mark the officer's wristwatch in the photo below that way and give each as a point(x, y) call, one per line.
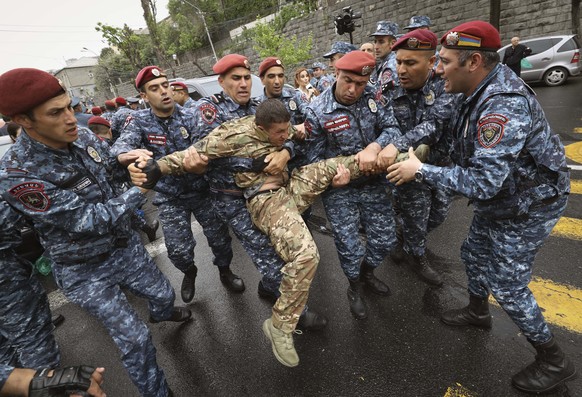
point(418, 175)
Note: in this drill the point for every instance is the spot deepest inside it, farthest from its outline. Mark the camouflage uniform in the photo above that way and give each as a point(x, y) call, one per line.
point(513, 168)
point(190, 103)
point(70, 198)
point(423, 116)
point(227, 198)
point(26, 331)
point(338, 130)
point(322, 82)
point(119, 120)
point(178, 197)
point(275, 212)
point(384, 77)
point(293, 102)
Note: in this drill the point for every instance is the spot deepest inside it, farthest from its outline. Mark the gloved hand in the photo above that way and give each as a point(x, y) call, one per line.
point(63, 382)
point(153, 173)
point(258, 164)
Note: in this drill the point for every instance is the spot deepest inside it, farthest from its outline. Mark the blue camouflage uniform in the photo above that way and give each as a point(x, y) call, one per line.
point(424, 118)
point(294, 103)
point(384, 77)
point(227, 198)
point(118, 121)
point(108, 115)
point(190, 103)
point(324, 81)
point(513, 168)
point(338, 130)
point(178, 197)
point(26, 330)
point(71, 198)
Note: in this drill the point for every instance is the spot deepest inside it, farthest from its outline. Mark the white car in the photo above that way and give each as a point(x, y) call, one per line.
point(5, 143)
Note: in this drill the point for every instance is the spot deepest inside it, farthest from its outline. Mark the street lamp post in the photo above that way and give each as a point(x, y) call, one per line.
point(205, 27)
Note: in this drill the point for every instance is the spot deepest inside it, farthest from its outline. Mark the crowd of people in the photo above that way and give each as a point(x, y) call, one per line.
point(386, 140)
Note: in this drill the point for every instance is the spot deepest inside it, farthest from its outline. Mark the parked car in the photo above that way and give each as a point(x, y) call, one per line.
point(553, 59)
point(5, 143)
point(200, 87)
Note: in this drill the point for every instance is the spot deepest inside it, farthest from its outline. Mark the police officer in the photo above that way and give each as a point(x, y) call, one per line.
point(110, 108)
point(163, 129)
point(321, 80)
point(80, 115)
point(423, 111)
point(133, 103)
point(64, 181)
point(384, 76)
point(512, 166)
point(180, 92)
point(120, 118)
point(338, 50)
point(418, 22)
point(26, 331)
point(346, 120)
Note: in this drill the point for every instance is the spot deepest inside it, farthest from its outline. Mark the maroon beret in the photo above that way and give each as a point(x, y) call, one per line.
point(418, 39)
point(178, 85)
point(269, 63)
point(23, 89)
point(230, 61)
point(147, 74)
point(98, 120)
point(358, 62)
point(96, 110)
point(474, 35)
point(120, 101)
point(110, 103)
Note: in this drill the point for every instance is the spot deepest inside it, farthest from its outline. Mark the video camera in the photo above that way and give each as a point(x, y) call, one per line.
point(344, 23)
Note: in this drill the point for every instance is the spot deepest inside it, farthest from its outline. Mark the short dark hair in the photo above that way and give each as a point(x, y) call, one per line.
point(270, 112)
point(490, 58)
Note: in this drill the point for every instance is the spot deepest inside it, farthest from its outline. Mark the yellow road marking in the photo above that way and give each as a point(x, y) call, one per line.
point(560, 303)
point(459, 391)
point(574, 152)
point(578, 130)
point(568, 227)
point(575, 186)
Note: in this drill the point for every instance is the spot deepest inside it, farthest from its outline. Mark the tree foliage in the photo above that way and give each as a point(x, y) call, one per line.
point(268, 42)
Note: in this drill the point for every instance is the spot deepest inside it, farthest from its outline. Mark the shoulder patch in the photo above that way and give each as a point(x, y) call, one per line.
point(127, 121)
point(208, 112)
point(31, 195)
point(490, 129)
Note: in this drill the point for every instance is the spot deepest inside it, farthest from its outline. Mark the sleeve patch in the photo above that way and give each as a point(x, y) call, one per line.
point(32, 196)
point(208, 113)
point(127, 121)
point(490, 129)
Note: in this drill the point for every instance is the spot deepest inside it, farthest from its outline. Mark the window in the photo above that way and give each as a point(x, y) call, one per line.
point(539, 46)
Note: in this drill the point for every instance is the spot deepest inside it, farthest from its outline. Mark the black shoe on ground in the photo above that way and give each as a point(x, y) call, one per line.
point(357, 304)
point(476, 314)
point(421, 266)
point(231, 281)
point(372, 282)
point(188, 288)
point(150, 230)
point(266, 294)
point(398, 255)
point(57, 320)
point(179, 315)
point(310, 320)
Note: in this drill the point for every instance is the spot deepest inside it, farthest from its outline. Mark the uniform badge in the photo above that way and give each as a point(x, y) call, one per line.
point(156, 72)
point(429, 98)
point(32, 196)
point(386, 76)
point(372, 105)
point(127, 121)
point(247, 64)
point(292, 105)
point(366, 70)
point(184, 132)
point(452, 38)
point(412, 42)
point(490, 130)
point(208, 113)
point(94, 154)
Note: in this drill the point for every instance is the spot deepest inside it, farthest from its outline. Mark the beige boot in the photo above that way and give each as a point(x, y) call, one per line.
point(282, 344)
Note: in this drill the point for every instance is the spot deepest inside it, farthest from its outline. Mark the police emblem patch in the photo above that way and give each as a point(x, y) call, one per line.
point(94, 154)
point(429, 98)
point(208, 113)
point(490, 130)
point(292, 105)
point(372, 105)
point(127, 121)
point(184, 132)
point(32, 196)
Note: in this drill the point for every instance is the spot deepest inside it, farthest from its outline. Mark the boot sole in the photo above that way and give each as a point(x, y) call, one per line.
point(484, 326)
point(549, 389)
point(267, 333)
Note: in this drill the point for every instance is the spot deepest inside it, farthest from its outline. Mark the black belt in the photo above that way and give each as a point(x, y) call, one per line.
point(225, 197)
point(236, 193)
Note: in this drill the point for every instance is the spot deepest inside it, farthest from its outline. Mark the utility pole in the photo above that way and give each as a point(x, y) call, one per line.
point(199, 11)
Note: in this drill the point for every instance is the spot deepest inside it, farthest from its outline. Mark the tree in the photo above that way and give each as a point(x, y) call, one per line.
point(149, 15)
point(291, 51)
point(125, 40)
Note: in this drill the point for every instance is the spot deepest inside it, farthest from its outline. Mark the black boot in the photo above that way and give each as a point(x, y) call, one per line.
point(188, 284)
point(57, 320)
point(179, 315)
point(150, 230)
point(357, 304)
point(311, 320)
point(266, 294)
point(548, 371)
point(476, 313)
point(398, 254)
point(231, 280)
point(371, 281)
point(421, 266)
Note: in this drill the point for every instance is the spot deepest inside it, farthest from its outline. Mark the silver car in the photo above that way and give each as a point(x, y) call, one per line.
point(553, 59)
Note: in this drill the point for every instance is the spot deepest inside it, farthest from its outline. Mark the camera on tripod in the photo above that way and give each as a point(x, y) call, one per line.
point(345, 23)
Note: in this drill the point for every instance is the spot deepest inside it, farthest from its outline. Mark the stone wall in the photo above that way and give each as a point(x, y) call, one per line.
point(522, 18)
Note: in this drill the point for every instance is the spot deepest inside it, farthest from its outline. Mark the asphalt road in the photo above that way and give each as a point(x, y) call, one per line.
point(402, 349)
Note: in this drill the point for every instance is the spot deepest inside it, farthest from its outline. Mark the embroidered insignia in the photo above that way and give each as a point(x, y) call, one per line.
point(127, 121)
point(386, 76)
point(412, 42)
point(372, 105)
point(452, 38)
point(184, 132)
point(429, 98)
point(292, 105)
point(336, 125)
point(366, 70)
point(94, 154)
point(156, 72)
point(157, 139)
point(32, 196)
point(490, 129)
point(208, 113)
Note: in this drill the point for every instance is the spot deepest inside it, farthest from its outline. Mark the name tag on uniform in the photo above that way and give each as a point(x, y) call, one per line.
point(336, 125)
point(157, 139)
